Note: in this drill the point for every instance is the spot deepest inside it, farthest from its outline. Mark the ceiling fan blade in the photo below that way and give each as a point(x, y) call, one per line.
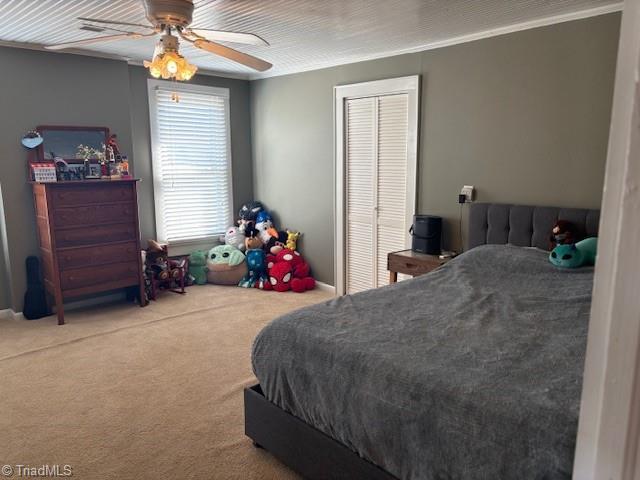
point(100, 29)
point(224, 36)
point(234, 55)
point(114, 22)
point(87, 41)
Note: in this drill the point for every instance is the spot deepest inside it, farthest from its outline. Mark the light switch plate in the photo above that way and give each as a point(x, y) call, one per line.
point(469, 192)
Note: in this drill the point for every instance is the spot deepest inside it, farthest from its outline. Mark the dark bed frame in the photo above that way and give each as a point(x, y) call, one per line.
point(317, 456)
point(303, 448)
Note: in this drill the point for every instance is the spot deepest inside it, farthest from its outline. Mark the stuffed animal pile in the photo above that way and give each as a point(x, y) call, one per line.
point(256, 255)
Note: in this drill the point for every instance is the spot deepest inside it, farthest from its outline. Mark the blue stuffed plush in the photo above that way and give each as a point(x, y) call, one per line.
point(576, 254)
point(263, 216)
point(257, 274)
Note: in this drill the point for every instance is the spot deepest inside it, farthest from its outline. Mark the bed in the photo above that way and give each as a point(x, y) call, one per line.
point(472, 371)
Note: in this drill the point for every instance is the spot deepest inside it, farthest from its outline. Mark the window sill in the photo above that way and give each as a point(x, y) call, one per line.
point(188, 246)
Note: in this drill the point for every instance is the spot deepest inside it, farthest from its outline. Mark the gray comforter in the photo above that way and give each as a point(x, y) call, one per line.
point(473, 371)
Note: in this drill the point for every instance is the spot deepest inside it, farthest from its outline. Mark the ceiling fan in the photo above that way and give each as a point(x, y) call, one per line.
point(169, 18)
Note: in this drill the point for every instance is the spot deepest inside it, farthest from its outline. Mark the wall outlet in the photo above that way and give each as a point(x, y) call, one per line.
point(469, 192)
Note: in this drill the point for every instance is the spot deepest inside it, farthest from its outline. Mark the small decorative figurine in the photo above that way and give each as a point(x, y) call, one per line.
point(62, 169)
point(87, 168)
point(112, 143)
point(124, 166)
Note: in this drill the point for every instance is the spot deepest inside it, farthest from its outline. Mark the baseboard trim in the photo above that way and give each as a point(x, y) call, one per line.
point(325, 287)
point(8, 313)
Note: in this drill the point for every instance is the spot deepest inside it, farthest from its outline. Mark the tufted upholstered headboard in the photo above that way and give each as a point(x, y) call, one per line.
point(524, 226)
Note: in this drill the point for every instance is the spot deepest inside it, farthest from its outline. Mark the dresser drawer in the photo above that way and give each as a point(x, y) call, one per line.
point(76, 237)
point(92, 256)
point(100, 275)
point(94, 214)
point(79, 195)
point(412, 266)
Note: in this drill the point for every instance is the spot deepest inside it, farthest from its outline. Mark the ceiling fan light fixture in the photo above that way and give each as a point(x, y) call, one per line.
point(170, 65)
point(167, 63)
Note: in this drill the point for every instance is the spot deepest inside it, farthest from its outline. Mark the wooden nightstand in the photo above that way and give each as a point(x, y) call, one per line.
point(411, 263)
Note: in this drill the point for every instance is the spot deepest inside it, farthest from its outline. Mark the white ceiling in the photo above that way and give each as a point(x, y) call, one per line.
point(304, 34)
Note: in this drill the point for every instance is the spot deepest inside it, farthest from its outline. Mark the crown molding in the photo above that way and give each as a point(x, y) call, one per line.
point(471, 37)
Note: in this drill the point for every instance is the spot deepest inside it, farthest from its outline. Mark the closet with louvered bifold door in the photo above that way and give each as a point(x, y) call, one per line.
point(377, 182)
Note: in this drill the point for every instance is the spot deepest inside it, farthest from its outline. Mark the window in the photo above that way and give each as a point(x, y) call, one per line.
point(191, 155)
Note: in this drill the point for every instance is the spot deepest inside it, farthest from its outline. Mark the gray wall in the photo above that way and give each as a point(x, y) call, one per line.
point(56, 89)
point(524, 117)
point(240, 115)
point(52, 88)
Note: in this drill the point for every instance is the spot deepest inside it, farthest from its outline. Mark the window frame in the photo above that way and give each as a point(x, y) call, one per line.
point(185, 246)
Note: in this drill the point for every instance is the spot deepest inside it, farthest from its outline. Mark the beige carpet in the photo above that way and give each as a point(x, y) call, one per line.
point(122, 392)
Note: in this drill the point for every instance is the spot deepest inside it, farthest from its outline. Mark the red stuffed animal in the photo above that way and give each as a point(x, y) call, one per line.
point(279, 277)
point(289, 271)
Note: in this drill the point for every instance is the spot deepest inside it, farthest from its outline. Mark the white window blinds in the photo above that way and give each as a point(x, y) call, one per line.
point(191, 161)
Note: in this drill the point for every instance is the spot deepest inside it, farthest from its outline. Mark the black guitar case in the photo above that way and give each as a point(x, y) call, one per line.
point(35, 299)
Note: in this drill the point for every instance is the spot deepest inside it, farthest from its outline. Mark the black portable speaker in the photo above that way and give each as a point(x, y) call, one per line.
point(427, 234)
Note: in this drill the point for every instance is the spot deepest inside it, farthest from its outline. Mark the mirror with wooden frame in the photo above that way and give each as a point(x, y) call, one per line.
point(72, 144)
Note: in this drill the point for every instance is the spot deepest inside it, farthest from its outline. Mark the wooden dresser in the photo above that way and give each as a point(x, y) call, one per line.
point(89, 237)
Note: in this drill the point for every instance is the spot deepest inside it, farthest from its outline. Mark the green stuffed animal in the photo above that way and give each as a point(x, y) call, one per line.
point(198, 267)
point(225, 265)
point(576, 254)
